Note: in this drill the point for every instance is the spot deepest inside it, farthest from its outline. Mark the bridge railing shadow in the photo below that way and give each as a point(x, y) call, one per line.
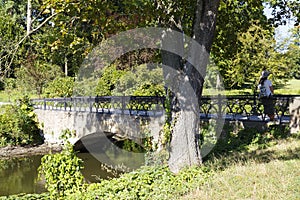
point(237, 107)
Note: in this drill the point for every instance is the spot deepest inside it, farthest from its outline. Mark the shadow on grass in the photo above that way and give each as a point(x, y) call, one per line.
point(269, 155)
point(252, 145)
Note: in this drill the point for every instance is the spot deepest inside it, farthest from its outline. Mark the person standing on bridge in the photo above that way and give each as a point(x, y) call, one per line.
point(266, 92)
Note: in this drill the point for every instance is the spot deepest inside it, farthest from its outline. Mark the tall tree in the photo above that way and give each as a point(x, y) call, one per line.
point(292, 53)
point(236, 17)
point(184, 149)
point(258, 50)
point(25, 19)
point(11, 31)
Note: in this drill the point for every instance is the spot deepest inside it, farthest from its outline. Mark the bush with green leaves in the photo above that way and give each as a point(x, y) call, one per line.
point(62, 173)
point(36, 74)
point(148, 182)
point(108, 79)
point(143, 80)
point(18, 124)
point(59, 87)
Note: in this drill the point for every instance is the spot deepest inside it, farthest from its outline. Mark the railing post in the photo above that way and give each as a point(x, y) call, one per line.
point(219, 106)
point(123, 104)
point(254, 103)
point(45, 106)
point(97, 103)
point(73, 106)
point(65, 103)
point(90, 103)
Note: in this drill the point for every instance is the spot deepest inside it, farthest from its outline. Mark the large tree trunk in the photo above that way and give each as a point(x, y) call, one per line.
point(187, 85)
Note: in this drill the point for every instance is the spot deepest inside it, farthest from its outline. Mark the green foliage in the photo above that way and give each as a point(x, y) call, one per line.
point(235, 18)
point(9, 86)
point(156, 182)
point(11, 30)
point(60, 87)
point(143, 80)
point(131, 146)
point(283, 11)
point(291, 49)
point(257, 53)
point(62, 173)
point(43, 196)
point(108, 79)
point(35, 74)
point(18, 124)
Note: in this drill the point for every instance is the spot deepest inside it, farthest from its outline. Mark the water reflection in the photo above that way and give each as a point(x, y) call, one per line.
point(19, 175)
point(93, 170)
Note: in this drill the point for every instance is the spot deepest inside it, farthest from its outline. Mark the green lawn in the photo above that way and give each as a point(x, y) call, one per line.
point(271, 173)
point(13, 95)
point(291, 87)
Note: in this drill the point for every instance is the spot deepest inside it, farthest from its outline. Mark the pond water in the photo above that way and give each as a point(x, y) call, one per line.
point(20, 175)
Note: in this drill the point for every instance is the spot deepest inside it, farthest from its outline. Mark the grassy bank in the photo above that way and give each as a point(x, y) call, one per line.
point(269, 173)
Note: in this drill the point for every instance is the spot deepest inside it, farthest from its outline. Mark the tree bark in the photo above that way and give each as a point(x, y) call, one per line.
point(28, 24)
point(187, 85)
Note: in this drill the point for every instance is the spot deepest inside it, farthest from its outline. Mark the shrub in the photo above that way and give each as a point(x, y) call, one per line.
point(18, 124)
point(60, 87)
point(62, 173)
point(143, 80)
point(148, 182)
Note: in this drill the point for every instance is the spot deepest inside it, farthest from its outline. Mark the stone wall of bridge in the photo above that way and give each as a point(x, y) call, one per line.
point(53, 123)
point(295, 115)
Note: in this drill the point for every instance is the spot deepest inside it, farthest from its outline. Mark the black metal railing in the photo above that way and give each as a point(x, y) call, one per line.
point(238, 107)
point(133, 105)
point(244, 107)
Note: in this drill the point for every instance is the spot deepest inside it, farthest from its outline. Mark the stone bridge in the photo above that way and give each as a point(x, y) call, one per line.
point(125, 117)
point(107, 116)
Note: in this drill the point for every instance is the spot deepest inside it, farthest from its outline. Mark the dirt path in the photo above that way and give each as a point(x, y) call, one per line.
point(18, 151)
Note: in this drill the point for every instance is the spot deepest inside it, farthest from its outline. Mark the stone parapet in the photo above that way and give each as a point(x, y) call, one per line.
point(295, 115)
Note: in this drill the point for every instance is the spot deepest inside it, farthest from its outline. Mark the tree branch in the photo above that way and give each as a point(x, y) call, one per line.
point(24, 38)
